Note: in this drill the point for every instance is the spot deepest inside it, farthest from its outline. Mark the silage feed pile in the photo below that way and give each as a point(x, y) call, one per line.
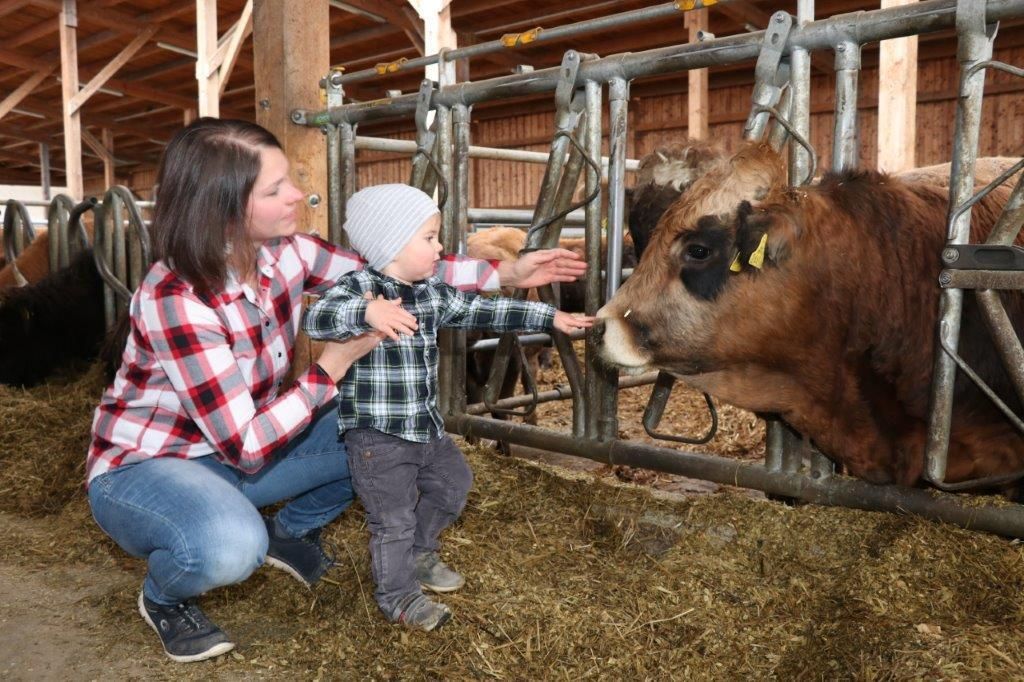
point(568, 576)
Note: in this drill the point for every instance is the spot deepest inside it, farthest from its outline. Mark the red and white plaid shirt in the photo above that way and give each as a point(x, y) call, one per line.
point(201, 374)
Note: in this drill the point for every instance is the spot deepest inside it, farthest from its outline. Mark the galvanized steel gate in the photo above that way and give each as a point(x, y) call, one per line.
point(781, 91)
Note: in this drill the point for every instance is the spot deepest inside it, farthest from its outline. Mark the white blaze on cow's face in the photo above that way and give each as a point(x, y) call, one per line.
point(669, 312)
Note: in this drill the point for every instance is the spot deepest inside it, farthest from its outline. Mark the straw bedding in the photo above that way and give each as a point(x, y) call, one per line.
point(569, 575)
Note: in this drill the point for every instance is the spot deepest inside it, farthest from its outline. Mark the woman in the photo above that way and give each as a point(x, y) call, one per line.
point(197, 432)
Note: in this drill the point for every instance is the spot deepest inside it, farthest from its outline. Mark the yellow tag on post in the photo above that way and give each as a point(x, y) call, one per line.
point(757, 258)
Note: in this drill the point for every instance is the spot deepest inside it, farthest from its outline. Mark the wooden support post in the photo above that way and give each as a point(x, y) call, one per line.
point(897, 100)
point(292, 51)
point(69, 88)
point(697, 92)
point(207, 76)
point(438, 34)
point(109, 172)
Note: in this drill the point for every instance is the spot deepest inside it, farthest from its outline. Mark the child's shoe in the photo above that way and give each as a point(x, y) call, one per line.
point(435, 575)
point(424, 613)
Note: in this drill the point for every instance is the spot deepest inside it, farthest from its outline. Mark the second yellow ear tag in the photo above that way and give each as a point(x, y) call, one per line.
point(736, 265)
point(757, 257)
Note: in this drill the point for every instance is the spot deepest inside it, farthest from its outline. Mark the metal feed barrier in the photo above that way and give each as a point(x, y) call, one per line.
point(781, 93)
point(121, 247)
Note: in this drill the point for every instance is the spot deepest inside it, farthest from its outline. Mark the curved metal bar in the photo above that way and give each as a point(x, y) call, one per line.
point(443, 186)
point(16, 216)
point(800, 139)
point(111, 250)
point(656, 408)
point(989, 481)
point(58, 215)
point(981, 194)
point(531, 386)
point(997, 65)
point(580, 204)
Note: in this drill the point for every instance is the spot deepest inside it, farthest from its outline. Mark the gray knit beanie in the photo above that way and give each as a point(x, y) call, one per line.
point(380, 220)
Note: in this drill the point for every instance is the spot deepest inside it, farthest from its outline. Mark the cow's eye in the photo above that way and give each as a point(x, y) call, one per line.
point(698, 252)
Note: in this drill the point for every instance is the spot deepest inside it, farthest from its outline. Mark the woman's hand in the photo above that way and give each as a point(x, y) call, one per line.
point(338, 356)
point(541, 267)
point(567, 322)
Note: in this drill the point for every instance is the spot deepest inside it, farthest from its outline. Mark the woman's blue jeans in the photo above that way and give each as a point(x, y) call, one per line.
point(197, 520)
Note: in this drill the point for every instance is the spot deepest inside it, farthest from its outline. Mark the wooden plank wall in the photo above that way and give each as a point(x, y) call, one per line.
point(661, 120)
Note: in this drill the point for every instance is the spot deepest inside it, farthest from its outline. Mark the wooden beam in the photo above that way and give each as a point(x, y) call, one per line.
point(233, 45)
point(897, 100)
point(291, 50)
point(436, 17)
point(14, 99)
point(104, 75)
point(697, 92)
point(69, 87)
point(109, 173)
point(207, 74)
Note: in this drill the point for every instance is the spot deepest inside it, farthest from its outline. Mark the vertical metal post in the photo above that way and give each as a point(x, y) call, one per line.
point(44, 169)
point(592, 295)
point(618, 115)
point(460, 196)
point(974, 45)
point(447, 360)
point(844, 133)
point(799, 165)
point(347, 179)
point(335, 200)
point(618, 95)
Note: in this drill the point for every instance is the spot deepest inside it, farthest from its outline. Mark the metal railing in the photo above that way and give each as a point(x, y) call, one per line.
point(578, 86)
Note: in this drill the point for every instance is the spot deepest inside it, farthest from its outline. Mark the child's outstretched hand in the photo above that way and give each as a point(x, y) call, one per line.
point(567, 322)
point(390, 318)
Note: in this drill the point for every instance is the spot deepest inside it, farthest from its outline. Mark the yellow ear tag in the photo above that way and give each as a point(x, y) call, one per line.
point(757, 258)
point(736, 265)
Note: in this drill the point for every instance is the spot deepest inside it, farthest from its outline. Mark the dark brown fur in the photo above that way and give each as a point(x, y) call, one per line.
point(836, 332)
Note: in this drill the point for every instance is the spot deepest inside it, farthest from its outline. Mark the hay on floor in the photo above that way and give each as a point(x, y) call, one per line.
point(572, 578)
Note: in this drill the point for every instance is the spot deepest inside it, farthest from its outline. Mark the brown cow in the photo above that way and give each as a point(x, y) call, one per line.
point(835, 332)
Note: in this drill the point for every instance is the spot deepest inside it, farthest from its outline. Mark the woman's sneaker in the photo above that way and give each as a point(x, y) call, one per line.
point(435, 575)
point(419, 611)
point(184, 630)
point(302, 558)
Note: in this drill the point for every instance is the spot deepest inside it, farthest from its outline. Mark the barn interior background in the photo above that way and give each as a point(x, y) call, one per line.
point(889, 597)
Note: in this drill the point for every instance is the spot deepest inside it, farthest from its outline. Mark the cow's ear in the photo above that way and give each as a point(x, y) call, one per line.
point(764, 234)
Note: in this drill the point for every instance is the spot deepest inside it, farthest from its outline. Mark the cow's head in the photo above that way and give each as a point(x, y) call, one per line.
point(669, 311)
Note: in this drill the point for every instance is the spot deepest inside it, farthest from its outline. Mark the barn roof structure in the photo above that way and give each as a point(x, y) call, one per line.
point(150, 95)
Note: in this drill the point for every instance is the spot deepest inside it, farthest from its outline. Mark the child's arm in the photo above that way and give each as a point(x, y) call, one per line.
point(468, 311)
point(339, 313)
point(349, 309)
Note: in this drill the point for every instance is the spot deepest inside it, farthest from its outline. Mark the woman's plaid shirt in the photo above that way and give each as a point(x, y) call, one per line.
point(394, 387)
point(202, 375)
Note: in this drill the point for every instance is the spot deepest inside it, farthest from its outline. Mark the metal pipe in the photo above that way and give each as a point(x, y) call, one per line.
point(387, 144)
point(447, 360)
point(1005, 337)
point(844, 132)
point(460, 195)
point(592, 285)
point(511, 41)
point(1010, 220)
point(974, 45)
point(346, 180)
point(517, 216)
point(562, 392)
point(1002, 519)
point(858, 27)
